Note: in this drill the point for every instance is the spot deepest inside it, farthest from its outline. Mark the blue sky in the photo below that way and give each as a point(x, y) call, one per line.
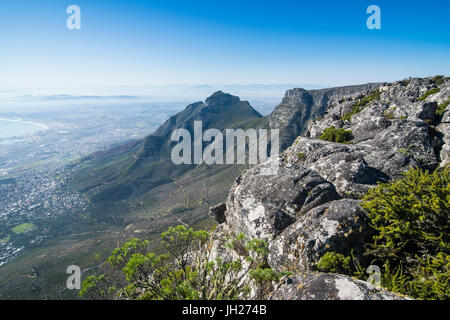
point(134, 43)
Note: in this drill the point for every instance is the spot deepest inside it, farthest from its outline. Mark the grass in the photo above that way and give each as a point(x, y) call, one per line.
point(429, 93)
point(21, 228)
point(301, 156)
point(358, 107)
point(441, 108)
point(439, 80)
point(5, 239)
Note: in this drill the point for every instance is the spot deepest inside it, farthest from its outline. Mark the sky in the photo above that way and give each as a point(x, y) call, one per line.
point(124, 44)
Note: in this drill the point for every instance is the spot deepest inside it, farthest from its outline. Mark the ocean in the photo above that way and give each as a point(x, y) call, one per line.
point(17, 128)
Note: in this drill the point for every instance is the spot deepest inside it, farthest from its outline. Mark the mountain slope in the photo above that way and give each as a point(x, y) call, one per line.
point(126, 174)
point(313, 206)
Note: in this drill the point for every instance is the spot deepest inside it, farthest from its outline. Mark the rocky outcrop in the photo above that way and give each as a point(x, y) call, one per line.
point(262, 206)
point(311, 205)
point(300, 106)
point(325, 286)
point(340, 226)
point(443, 132)
point(218, 212)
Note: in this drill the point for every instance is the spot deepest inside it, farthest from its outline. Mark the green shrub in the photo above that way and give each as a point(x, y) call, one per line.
point(439, 80)
point(335, 263)
point(410, 218)
point(388, 114)
point(358, 107)
point(184, 271)
point(301, 156)
point(336, 135)
point(405, 82)
point(429, 93)
point(441, 107)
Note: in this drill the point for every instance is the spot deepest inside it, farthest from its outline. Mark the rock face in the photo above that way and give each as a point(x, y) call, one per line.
point(262, 206)
point(340, 226)
point(311, 205)
point(325, 286)
point(218, 212)
point(443, 131)
point(300, 105)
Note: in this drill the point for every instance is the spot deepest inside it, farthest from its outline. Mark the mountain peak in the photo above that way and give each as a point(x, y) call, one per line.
point(222, 99)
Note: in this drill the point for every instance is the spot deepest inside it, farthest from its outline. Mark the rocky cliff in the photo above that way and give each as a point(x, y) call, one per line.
point(312, 205)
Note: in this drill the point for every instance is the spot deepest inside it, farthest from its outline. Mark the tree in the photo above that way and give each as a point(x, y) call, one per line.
point(186, 270)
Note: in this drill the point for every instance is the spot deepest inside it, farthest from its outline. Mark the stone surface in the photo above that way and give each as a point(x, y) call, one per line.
point(261, 206)
point(218, 212)
point(311, 204)
point(323, 286)
point(340, 226)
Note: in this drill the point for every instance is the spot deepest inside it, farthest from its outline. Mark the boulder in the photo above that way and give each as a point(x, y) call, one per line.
point(218, 212)
point(326, 286)
point(262, 206)
point(340, 226)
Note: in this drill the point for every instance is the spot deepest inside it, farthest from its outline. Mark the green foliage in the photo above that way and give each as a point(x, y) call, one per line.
point(388, 114)
point(336, 135)
point(410, 218)
point(441, 107)
point(429, 93)
point(186, 269)
point(301, 156)
point(335, 263)
point(405, 82)
point(439, 80)
point(21, 228)
point(358, 107)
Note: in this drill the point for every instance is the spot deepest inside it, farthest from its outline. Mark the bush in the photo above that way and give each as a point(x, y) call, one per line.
point(335, 263)
point(441, 108)
point(411, 222)
point(301, 156)
point(336, 135)
point(429, 93)
point(358, 107)
point(439, 80)
point(186, 270)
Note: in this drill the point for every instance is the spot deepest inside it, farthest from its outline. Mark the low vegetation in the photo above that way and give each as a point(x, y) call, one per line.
point(429, 93)
point(301, 156)
point(358, 107)
point(21, 228)
point(336, 135)
point(186, 269)
point(439, 80)
point(441, 107)
point(410, 218)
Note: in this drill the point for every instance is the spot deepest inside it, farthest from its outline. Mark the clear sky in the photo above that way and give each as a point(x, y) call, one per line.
point(130, 43)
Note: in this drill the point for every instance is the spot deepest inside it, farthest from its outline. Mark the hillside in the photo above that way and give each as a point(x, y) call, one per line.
point(135, 190)
point(313, 205)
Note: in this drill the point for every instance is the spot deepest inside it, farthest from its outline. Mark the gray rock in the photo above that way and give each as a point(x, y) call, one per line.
point(343, 165)
point(261, 206)
point(218, 212)
point(299, 106)
point(340, 226)
point(325, 286)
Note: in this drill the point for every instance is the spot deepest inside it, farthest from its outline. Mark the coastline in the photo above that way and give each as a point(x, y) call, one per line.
point(43, 126)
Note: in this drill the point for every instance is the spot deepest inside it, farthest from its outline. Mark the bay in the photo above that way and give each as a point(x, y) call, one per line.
point(17, 128)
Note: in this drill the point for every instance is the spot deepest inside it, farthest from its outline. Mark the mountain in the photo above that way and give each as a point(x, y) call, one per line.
point(135, 190)
point(312, 205)
point(299, 106)
point(118, 180)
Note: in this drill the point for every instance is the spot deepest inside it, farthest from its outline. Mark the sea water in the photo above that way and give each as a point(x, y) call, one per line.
point(18, 128)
